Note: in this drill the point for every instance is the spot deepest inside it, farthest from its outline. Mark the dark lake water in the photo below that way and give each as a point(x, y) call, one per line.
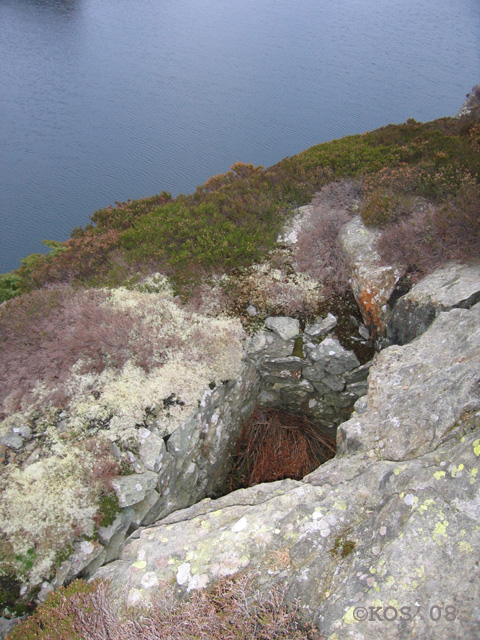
point(105, 100)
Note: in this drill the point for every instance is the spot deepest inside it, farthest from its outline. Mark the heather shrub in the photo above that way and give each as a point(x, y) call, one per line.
point(396, 192)
point(46, 332)
point(435, 234)
point(459, 217)
point(232, 610)
point(124, 214)
point(318, 252)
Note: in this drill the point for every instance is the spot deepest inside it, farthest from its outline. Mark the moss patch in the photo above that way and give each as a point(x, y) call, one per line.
point(342, 547)
point(108, 508)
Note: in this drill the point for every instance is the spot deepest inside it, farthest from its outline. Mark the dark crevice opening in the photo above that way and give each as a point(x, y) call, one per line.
point(275, 445)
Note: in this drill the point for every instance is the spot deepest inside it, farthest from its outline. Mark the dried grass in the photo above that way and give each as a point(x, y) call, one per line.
point(275, 445)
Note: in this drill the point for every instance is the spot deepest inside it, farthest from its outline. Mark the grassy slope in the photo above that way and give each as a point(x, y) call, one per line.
point(234, 218)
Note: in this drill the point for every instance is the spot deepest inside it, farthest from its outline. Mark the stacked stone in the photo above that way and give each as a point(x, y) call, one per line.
point(309, 371)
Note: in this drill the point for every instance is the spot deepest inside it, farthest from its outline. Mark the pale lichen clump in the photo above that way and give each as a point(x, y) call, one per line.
point(281, 288)
point(43, 506)
point(49, 503)
point(193, 351)
point(186, 352)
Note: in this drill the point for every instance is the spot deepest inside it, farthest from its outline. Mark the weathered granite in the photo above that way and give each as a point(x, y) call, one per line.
point(132, 489)
point(372, 282)
point(455, 285)
point(369, 532)
point(401, 421)
point(471, 104)
point(87, 557)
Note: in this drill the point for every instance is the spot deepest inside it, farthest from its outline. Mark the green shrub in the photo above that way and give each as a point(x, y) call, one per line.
point(9, 286)
point(377, 210)
point(185, 237)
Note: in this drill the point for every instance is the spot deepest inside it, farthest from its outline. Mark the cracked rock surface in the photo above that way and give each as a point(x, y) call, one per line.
point(393, 521)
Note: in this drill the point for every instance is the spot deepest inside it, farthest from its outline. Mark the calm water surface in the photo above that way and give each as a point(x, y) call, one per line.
point(105, 100)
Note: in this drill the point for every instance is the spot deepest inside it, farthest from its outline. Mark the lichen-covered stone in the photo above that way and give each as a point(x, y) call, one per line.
point(372, 282)
point(132, 489)
point(286, 328)
point(81, 561)
point(443, 363)
point(121, 522)
point(12, 440)
point(334, 358)
point(453, 286)
point(152, 450)
point(321, 328)
point(393, 521)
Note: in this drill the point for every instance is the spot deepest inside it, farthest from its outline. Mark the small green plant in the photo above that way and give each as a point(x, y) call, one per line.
point(298, 348)
point(9, 286)
point(25, 561)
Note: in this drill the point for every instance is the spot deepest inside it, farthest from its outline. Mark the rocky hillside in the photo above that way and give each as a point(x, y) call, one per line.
point(169, 429)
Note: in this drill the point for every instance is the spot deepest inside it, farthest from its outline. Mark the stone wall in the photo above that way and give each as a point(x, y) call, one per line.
point(307, 372)
point(284, 367)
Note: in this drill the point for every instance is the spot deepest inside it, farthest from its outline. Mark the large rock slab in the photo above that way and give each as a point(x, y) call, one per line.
point(378, 542)
point(453, 286)
point(418, 393)
point(356, 534)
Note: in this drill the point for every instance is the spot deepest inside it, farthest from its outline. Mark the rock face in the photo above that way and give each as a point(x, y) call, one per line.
point(372, 283)
point(471, 103)
point(363, 540)
point(454, 286)
point(283, 367)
